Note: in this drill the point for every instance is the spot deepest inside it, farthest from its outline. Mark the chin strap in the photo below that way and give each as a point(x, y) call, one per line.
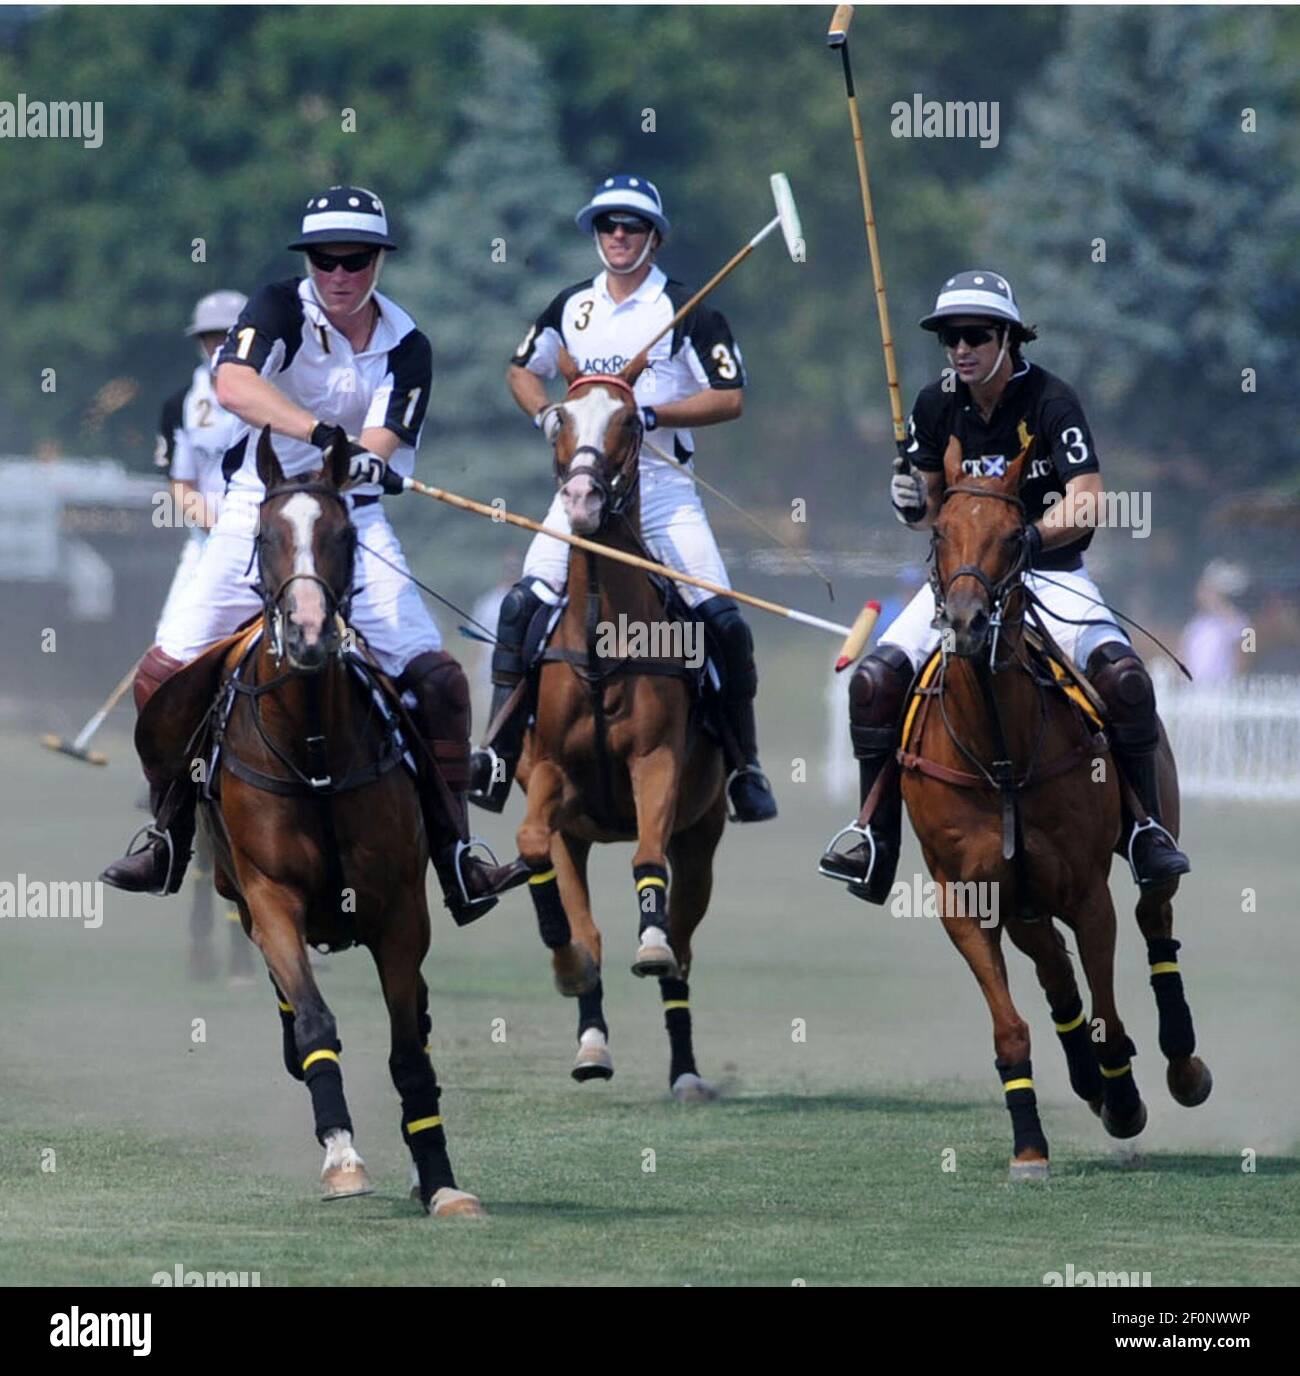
point(370, 291)
point(1002, 353)
point(650, 242)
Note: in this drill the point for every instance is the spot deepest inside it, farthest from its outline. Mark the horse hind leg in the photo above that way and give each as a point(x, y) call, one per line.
point(1187, 1075)
point(691, 853)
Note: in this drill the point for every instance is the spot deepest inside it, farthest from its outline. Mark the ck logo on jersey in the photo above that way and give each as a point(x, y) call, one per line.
point(986, 466)
point(1040, 468)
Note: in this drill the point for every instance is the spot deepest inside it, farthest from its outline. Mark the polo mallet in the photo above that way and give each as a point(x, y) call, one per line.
point(838, 37)
point(786, 219)
point(77, 747)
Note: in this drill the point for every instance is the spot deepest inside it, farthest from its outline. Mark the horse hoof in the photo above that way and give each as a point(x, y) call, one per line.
point(690, 1089)
point(654, 957)
point(449, 1203)
point(1124, 1127)
point(593, 1061)
point(575, 971)
point(1189, 1081)
point(344, 1182)
point(1027, 1170)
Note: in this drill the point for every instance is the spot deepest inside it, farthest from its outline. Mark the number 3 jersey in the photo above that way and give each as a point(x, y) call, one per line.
point(603, 335)
point(284, 335)
point(1037, 410)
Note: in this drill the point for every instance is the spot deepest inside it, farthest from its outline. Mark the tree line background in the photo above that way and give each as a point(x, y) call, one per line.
point(483, 124)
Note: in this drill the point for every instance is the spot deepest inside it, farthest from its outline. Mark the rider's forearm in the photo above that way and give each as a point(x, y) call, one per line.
point(255, 400)
point(710, 407)
point(379, 440)
point(528, 390)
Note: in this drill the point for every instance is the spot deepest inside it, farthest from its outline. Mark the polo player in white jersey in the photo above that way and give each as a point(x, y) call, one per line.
point(999, 403)
point(310, 357)
point(695, 377)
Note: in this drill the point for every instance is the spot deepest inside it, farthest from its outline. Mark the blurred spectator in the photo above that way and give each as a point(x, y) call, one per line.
point(1212, 638)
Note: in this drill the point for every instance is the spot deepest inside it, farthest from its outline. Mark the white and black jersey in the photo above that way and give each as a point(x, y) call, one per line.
point(603, 335)
point(285, 335)
point(194, 434)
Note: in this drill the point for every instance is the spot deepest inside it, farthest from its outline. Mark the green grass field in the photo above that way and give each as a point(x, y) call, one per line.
point(822, 1162)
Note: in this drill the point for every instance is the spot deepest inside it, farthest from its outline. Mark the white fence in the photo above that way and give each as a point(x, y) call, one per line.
point(1238, 740)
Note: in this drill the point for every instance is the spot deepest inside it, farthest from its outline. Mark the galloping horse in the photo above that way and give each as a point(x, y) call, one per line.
point(316, 823)
point(1009, 784)
point(616, 751)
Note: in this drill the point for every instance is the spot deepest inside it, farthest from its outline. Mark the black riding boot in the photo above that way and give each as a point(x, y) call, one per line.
point(492, 768)
point(158, 867)
point(1121, 679)
point(470, 885)
point(748, 789)
point(877, 695)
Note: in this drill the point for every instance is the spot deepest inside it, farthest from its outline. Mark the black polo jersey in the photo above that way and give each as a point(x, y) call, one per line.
point(1055, 427)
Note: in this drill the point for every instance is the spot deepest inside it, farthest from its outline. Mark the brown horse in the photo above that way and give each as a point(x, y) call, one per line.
point(317, 825)
point(1009, 785)
point(616, 752)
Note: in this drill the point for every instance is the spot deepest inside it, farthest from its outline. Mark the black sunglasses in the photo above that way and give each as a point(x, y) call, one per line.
point(974, 335)
point(349, 262)
point(632, 223)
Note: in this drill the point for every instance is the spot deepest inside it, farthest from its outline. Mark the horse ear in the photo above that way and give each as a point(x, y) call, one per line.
point(568, 368)
point(268, 465)
point(337, 458)
point(952, 462)
point(633, 370)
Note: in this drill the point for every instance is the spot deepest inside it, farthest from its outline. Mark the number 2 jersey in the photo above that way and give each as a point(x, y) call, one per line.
point(284, 335)
point(193, 436)
point(1037, 409)
point(603, 335)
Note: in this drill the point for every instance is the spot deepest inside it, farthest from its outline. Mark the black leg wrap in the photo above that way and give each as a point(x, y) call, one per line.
point(292, 1060)
point(651, 895)
point(1118, 1085)
point(552, 922)
point(1022, 1104)
point(676, 996)
point(1177, 1036)
point(324, 1078)
point(1080, 1053)
point(422, 1129)
point(591, 1010)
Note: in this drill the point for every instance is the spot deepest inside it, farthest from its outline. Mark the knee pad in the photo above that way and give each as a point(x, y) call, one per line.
point(518, 608)
point(1121, 679)
point(155, 669)
point(877, 692)
point(734, 643)
point(441, 692)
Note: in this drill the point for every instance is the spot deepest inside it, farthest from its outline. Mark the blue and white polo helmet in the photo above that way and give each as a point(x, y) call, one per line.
point(344, 215)
point(977, 292)
point(632, 195)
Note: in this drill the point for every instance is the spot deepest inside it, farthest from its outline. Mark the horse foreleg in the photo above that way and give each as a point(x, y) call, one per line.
point(1123, 1113)
point(655, 777)
point(691, 855)
point(1043, 944)
point(1187, 1075)
point(576, 972)
point(593, 1060)
point(982, 950)
point(278, 934)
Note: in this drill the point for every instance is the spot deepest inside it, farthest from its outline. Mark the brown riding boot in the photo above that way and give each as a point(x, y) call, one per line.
point(470, 884)
point(158, 867)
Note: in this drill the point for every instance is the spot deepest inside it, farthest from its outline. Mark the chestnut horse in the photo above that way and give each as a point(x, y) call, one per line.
point(1008, 785)
point(616, 751)
point(317, 825)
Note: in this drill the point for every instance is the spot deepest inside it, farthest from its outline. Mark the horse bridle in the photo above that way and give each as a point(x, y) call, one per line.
point(337, 606)
point(617, 491)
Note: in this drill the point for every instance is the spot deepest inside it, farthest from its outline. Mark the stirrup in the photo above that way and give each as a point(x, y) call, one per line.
point(853, 829)
point(1140, 829)
point(732, 814)
point(495, 760)
point(151, 831)
point(464, 848)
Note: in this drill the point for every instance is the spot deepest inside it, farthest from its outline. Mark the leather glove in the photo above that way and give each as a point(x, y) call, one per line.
point(549, 420)
point(363, 467)
point(907, 494)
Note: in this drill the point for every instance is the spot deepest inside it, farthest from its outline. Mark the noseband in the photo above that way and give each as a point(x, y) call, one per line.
point(336, 605)
point(996, 592)
point(616, 492)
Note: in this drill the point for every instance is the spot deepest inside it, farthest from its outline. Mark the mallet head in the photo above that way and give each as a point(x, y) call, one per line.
point(838, 33)
point(788, 214)
point(64, 747)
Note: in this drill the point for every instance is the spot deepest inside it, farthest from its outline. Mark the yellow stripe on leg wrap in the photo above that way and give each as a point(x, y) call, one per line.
point(650, 879)
point(676, 1003)
point(542, 878)
point(320, 1056)
point(1070, 1026)
point(1165, 967)
point(286, 1008)
point(423, 1124)
point(1115, 1074)
point(1018, 1084)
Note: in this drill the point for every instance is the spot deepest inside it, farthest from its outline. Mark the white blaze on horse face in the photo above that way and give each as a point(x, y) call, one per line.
point(306, 596)
point(590, 415)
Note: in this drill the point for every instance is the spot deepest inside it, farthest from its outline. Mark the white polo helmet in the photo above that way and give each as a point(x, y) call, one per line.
point(632, 195)
point(216, 313)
